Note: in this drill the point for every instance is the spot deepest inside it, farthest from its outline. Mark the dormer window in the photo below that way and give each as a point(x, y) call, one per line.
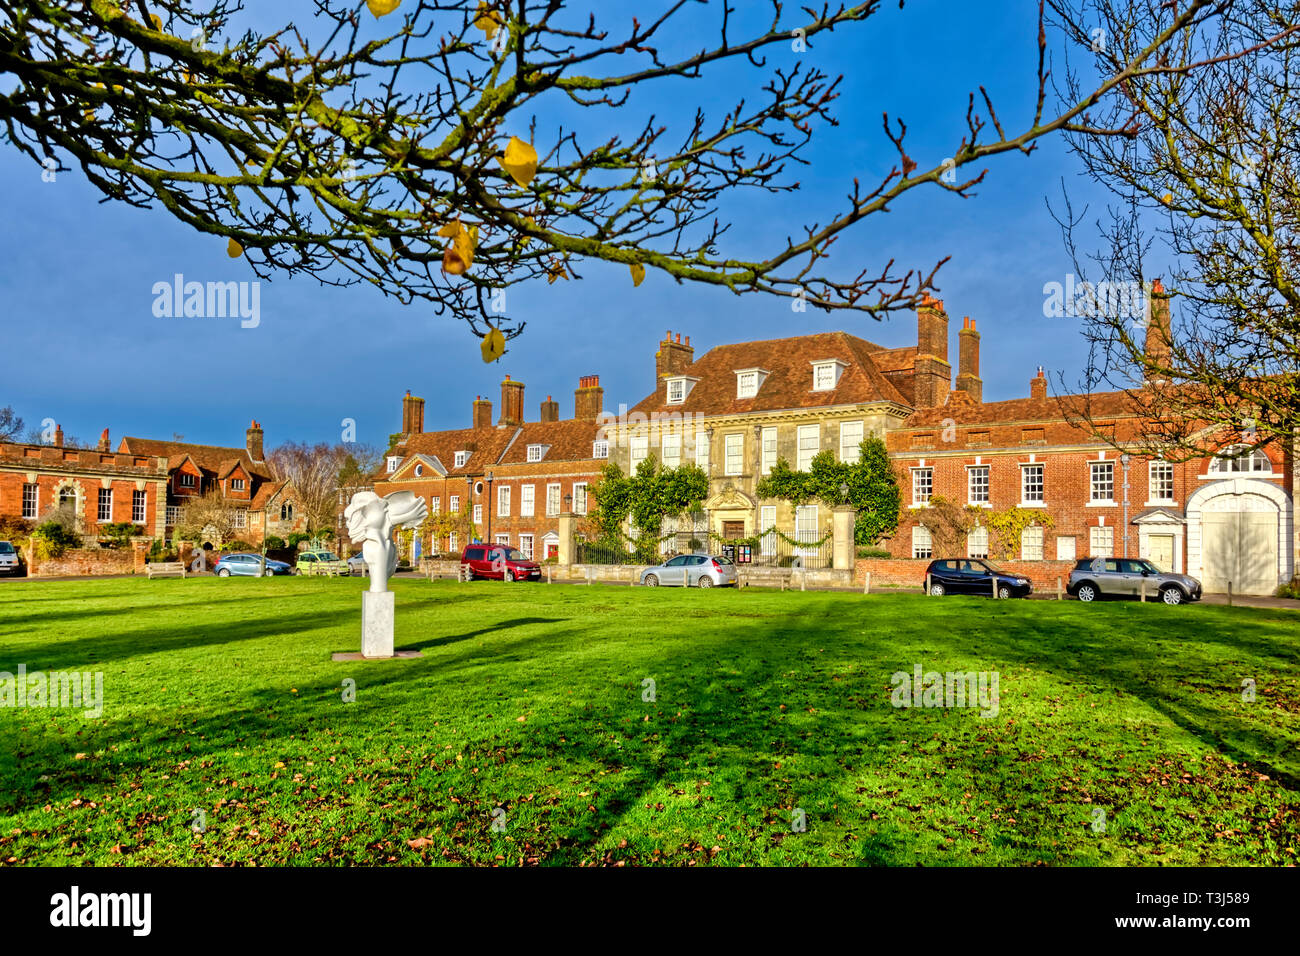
point(826, 374)
point(393, 462)
point(749, 381)
point(461, 458)
point(236, 484)
point(535, 452)
point(600, 449)
point(679, 388)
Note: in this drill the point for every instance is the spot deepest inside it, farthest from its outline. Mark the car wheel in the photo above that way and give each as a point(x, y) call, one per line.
point(223, 573)
point(268, 573)
point(937, 590)
point(1086, 593)
point(706, 581)
point(508, 576)
point(1004, 592)
point(652, 580)
point(1171, 596)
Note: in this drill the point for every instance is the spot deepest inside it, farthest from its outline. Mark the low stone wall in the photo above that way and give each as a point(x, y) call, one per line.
point(631, 574)
point(87, 561)
point(910, 573)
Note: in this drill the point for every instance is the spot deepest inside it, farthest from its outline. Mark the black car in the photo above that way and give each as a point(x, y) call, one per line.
point(974, 576)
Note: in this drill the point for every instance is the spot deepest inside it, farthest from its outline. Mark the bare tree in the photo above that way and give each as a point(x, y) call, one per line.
point(207, 515)
point(11, 426)
point(313, 473)
point(1205, 195)
point(412, 160)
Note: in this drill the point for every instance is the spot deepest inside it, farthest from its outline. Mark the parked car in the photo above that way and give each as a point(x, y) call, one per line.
point(248, 564)
point(974, 576)
point(691, 570)
point(357, 564)
point(498, 561)
point(11, 562)
point(1125, 577)
point(321, 562)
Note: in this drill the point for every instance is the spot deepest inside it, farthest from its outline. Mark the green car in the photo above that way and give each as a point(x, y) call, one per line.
point(321, 562)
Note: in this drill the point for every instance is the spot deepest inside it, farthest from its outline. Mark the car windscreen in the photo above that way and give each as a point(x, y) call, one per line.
point(723, 560)
point(6, 547)
point(326, 556)
point(991, 567)
point(512, 554)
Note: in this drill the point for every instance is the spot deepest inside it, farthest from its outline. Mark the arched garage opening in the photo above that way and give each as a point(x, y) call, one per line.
point(1239, 532)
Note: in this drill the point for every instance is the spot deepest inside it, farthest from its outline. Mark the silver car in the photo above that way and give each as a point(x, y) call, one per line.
point(1129, 577)
point(691, 570)
point(11, 562)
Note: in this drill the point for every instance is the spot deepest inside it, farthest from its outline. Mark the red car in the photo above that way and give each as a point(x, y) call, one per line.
point(498, 561)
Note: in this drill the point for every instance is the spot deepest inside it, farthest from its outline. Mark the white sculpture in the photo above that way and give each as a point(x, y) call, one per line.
point(372, 519)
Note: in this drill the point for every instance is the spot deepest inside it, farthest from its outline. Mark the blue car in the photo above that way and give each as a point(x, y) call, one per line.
point(248, 564)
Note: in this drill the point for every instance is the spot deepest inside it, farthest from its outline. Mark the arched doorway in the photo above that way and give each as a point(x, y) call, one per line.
point(1239, 532)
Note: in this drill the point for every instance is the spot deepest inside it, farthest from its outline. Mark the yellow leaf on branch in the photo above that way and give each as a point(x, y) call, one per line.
point(555, 271)
point(382, 8)
point(493, 345)
point(520, 161)
point(488, 20)
point(638, 274)
point(234, 249)
point(459, 256)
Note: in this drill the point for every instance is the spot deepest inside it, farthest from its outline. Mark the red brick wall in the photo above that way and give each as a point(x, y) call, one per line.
point(92, 561)
point(909, 573)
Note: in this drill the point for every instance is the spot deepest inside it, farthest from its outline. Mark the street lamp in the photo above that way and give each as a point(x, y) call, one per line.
point(844, 492)
point(568, 502)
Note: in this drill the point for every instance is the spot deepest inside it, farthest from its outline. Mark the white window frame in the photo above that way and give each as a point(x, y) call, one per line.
point(747, 383)
point(600, 449)
point(766, 527)
point(849, 452)
point(673, 442)
point(172, 515)
point(769, 449)
point(104, 503)
point(535, 452)
point(804, 456)
point(453, 504)
point(702, 450)
point(239, 519)
point(451, 543)
point(1027, 488)
point(435, 504)
point(922, 484)
point(638, 451)
point(977, 481)
point(393, 462)
point(553, 505)
point(527, 501)
point(139, 506)
point(1097, 486)
point(503, 501)
point(1154, 482)
point(1098, 535)
point(502, 539)
point(1033, 541)
point(461, 458)
point(526, 545)
point(922, 542)
point(977, 542)
point(806, 527)
point(579, 497)
point(1241, 455)
point(836, 369)
point(738, 468)
point(478, 512)
point(31, 503)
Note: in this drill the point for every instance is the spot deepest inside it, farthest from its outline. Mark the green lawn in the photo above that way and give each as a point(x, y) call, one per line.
point(220, 696)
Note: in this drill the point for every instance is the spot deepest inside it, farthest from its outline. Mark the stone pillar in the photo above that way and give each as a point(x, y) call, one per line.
point(842, 550)
point(377, 612)
point(568, 550)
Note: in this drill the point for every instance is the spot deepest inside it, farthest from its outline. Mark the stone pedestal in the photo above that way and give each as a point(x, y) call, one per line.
point(377, 623)
point(843, 552)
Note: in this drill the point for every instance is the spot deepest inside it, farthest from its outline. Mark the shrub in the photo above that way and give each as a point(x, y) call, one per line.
point(238, 545)
point(52, 538)
point(297, 538)
point(873, 553)
point(118, 534)
point(274, 542)
point(1290, 590)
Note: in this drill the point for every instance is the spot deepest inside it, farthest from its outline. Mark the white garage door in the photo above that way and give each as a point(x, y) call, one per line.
point(1240, 547)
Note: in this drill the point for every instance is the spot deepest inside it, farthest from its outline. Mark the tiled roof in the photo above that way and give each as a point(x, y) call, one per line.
point(962, 409)
point(789, 382)
point(211, 458)
point(486, 445)
point(568, 440)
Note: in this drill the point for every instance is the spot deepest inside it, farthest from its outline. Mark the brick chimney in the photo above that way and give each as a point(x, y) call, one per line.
point(673, 357)
point(550, 410)
point(512, 402)
point(933, 375)
point(1038, 386)
point(253, 441)
point(588, 399)
point(1159, 329)
point(58, 436)
point(103, 440)
point(968, 361)
point(482, 412)
point(412, 414)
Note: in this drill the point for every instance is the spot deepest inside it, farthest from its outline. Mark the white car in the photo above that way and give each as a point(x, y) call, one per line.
point(691, 570)
point(11, 562)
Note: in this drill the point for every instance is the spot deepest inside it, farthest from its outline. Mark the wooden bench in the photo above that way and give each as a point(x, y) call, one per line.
point(165, 569)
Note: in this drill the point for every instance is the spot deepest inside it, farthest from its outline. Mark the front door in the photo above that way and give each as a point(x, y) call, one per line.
point(731, 530)
point(1160, 551)
point(1239, 547)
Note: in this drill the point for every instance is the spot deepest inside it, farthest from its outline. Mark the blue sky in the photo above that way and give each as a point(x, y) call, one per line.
point(84, 348)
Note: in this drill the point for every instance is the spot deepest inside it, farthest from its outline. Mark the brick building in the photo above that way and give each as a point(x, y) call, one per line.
point(513, 478)
point(259, 504)
point(99, 486)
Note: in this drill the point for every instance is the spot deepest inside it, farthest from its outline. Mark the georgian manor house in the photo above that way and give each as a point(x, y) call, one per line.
point(738, 408)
